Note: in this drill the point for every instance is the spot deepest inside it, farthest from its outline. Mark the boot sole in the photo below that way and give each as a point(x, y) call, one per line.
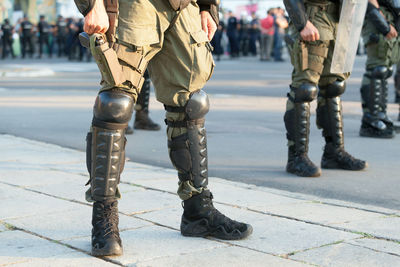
point(220, 233)
point(367, 134)
point(314, 175)
point(100, 252)
point(335, 166)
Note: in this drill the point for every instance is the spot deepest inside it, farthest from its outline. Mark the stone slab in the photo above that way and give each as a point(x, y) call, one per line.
point(28, 177)
point(318, 213)
point(20, 247)
point(281, 236)
point(147, 200)
point(222, 257)
point(153, 242)
point(271, 234)
point(18, 202)
point(384, 227)
point(69, 224)
point(377, 245)
point(347, 255)
point(65, 260)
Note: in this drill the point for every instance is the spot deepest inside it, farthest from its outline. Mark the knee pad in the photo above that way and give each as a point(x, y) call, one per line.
point(334, 89)
point(113, 107)
point(198, 105)
point(379, 72)
point(305, 93)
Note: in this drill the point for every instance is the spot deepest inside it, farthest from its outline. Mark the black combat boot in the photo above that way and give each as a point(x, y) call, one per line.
point(105, 157)
point(375, 122)
point(200, 219)
point(105, 233)
point(297, 123)
point(188, 153)
point(142, 119)
point(329, 118)
point(144, 122)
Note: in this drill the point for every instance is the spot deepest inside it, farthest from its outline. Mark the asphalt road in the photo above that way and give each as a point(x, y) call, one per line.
point(246, 134)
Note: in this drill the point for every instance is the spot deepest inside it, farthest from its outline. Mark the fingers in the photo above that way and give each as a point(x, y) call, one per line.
point(204, 25)
point(316, 35)
point(212, 29)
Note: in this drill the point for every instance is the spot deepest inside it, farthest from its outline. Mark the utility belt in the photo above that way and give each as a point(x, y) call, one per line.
point(326, 6)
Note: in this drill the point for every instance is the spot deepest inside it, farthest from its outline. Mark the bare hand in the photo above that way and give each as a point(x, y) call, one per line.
point(392, 34)
point(96, 21)
point(309, 33)
point(208, 24)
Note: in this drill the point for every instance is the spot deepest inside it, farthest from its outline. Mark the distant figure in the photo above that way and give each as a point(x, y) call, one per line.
point(62, 32)
point(254, 34)
point(26, 32)
point(44, 35)
point(7, 30)
point(232, 33)
point(267, 36)
point(216, 42)
point(281, 24)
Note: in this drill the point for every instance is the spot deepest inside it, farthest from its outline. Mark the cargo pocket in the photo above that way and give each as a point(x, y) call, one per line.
point(202, 60)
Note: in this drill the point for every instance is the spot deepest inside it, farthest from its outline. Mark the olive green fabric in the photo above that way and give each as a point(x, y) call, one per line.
point(380, 51)
point(312, 60)
point(178, 54)
point(180, 60)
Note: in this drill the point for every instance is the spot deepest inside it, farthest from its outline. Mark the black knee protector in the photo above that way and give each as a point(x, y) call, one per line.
point(188, 152)
point(379, 72)
point(333, 90)
point(305, 93)
point(113, 109)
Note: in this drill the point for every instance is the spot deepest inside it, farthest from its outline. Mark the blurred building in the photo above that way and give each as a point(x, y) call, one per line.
point(15, 9)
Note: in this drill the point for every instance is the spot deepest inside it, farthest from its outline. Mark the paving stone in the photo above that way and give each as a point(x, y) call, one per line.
point(377, 244)
point(69, 224)
point(17, 246)
point(319, 213)
point(153, 242)
point(384, 227)
point(230, 256)
point(271, 234)
point(168, 185)
point(282, 236)
point(148, 200)
point(170, 217)
point(66, 260)
point(27, 177)
point(18, 202)
point(38, 153)
point(347, 255)
point(247, 197)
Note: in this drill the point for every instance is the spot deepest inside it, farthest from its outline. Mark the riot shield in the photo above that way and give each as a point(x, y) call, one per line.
point(348, 35)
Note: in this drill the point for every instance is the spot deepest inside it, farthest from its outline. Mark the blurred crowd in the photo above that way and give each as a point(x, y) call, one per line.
point(26, 39)
point(247, 36)
point(252, 36)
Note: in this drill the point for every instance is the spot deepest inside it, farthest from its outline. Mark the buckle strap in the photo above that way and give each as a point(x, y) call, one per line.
point(183, 124)
point(174, 109)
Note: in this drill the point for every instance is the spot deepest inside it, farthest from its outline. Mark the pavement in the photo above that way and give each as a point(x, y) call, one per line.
point(45, 221)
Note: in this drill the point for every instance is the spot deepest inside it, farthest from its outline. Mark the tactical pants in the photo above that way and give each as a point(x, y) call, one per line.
point(178, 55)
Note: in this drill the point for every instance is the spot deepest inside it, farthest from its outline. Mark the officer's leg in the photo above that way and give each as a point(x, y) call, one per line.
point(297, 122)
point(186, 106)
point(106, 147)
point(303, 90)
point(41, 40)
point(329, 118)
point(23, 46)
point(11, 48)
point(142, 118)
point(374, 90)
